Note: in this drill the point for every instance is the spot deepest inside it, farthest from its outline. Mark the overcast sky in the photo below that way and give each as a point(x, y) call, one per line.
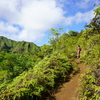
point(31, 20)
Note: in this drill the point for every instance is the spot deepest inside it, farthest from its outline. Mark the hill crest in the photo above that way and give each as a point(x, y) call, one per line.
point(22, 47)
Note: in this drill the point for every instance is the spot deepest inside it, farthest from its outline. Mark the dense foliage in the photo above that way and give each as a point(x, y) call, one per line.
point(15, 64)
point(38, 81)
point(29, 72)
point(21, 47)
point(90, 42)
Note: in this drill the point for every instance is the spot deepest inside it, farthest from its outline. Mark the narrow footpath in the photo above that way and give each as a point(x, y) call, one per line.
point(69, 89)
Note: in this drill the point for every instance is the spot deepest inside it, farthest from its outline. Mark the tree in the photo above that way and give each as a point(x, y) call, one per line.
point(73, 33)
point(60, 29)
point(53, 37)
point(45, 50)
point(95, 22)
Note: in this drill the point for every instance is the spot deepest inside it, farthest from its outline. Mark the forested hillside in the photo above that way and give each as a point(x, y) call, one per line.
point(21, 47)
point(37, 75)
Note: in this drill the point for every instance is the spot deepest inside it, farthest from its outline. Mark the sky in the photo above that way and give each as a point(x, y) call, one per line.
point(31, 20)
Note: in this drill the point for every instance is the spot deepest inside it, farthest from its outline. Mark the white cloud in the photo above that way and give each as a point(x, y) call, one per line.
point(6, 27)
point(36, 35)
point(40, 15)
point(34, 16)
point(79, 18)
point(84, 17)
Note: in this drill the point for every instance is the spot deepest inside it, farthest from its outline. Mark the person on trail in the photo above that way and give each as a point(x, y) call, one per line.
point(79, 51)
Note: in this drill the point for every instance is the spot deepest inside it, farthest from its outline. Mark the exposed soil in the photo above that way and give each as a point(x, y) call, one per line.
point(69, 89)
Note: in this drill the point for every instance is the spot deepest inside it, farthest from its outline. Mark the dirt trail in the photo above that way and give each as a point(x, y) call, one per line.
point(69, 89)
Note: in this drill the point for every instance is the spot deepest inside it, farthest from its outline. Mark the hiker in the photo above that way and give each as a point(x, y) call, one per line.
point(78, 51)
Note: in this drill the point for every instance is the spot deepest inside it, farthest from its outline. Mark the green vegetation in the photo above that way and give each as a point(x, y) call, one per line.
point(37, 81)
point(90, 42)
point(29, 72)
point(17, 46)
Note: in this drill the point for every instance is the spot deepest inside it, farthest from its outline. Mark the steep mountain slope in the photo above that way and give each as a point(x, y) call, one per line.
point(18, 46)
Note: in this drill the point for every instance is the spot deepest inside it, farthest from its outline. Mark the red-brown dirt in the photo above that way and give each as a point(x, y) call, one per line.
point(69, 89)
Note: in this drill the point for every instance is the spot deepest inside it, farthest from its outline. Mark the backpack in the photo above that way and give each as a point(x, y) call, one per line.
point(80, 49)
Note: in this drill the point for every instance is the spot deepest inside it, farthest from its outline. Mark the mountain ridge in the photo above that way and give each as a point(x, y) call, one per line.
point(22, 47)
